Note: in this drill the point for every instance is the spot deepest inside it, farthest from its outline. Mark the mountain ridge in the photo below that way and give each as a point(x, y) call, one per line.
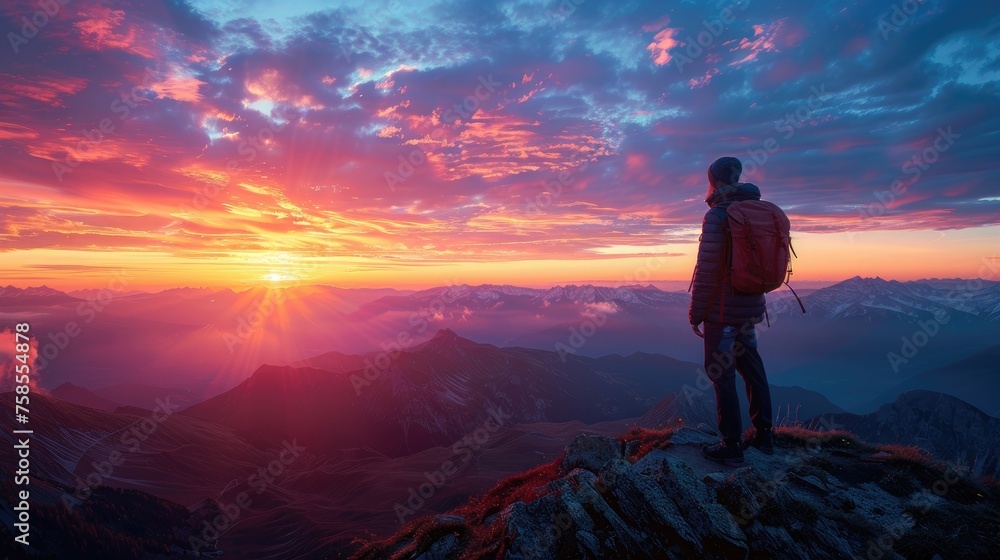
point(945, 426)
point(434, 392)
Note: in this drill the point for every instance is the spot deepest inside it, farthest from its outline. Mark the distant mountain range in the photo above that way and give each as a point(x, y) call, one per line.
point(949, 428)
point(863, 337)
point(860, 340)
point(842, 347)
point(40, 295)
point(974, 379)
point(850, 298)
point(40, 291)
point(494, 297)
point(876, 299)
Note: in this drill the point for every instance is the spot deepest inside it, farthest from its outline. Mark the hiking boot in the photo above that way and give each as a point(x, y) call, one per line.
point(724, 453)
point(763, 441)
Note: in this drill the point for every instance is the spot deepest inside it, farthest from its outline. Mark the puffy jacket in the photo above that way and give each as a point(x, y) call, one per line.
point(712, 297)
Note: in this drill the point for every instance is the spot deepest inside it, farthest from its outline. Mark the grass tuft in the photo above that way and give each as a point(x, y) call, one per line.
point(643, 440)
point(799, 436)
point(908, 454)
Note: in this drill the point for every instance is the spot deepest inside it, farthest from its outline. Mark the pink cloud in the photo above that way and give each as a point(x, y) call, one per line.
point(704, 80)
point(661, 45)
point(271, 85)
point(49, 89)
point(106, 29)
point(656, 25)
point(10, 131)
point(766, 39)
point(181, 88)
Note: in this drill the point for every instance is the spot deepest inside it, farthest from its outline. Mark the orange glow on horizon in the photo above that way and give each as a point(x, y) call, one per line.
point(895, 255)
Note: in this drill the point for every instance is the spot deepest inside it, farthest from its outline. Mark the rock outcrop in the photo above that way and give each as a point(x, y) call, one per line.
point(652, 495)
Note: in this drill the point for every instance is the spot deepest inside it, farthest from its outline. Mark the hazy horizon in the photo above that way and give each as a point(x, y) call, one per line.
point(665, 285)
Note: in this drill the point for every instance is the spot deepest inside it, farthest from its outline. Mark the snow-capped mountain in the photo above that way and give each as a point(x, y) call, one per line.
point(875, 298)
point(506, 297)
point(30, 292)
point(623, 296)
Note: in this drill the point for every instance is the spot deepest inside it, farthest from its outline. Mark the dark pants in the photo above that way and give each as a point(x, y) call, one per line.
point(728, 349)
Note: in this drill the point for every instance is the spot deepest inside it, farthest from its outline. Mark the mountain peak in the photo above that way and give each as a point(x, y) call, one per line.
point(67, 385)
point(445, 334)
point(269, 373)
point(651, 493)
point(934, 402)
point(445, 340)
point(865, 280)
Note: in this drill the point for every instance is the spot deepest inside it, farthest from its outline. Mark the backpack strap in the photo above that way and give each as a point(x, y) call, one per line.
point(727, 262)
point(796, 298)
point(792, 249)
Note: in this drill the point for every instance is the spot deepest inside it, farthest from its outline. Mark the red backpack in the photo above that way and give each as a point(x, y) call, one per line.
point(760, 247)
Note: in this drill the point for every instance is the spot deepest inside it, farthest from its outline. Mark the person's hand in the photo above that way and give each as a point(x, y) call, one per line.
point(697, 331)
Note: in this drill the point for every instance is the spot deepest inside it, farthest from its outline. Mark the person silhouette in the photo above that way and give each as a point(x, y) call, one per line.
point(729, 318)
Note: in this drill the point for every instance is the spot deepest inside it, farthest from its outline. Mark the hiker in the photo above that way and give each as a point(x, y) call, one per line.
point(729, 318)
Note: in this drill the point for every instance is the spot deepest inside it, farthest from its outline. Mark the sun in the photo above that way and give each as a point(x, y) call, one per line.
point(277, 277)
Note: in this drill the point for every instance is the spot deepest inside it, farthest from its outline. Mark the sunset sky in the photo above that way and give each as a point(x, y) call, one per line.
point(414, 144)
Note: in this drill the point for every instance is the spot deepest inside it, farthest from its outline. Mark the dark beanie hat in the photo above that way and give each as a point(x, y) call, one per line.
point(725, 171)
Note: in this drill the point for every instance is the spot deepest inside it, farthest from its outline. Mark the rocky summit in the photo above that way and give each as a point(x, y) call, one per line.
point(651, 494)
